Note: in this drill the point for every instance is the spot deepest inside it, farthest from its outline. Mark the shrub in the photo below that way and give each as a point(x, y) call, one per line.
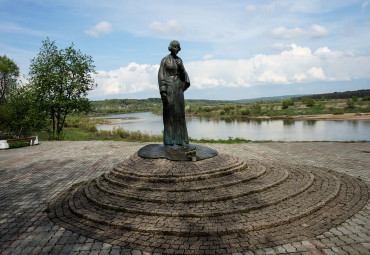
point(309, 102)
point(286, 103)
point(255, 109)
point(245, 112)
point(228, 108)
point(350, 104)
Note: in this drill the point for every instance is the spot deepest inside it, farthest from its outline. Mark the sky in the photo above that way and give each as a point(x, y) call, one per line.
point(231, 49)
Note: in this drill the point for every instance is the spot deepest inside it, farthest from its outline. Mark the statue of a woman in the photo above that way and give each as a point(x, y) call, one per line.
point(173, 81)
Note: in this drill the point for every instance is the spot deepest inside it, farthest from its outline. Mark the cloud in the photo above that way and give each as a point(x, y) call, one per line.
point(103, 27)
point(250, 8)
point(208, 57)
point(17, 29)
point(295, 64)
point(315, 31)
point(125, 80)
point(364, 5)
point(172, 26)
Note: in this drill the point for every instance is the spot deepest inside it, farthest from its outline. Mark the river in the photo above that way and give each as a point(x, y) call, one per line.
point(275, 130)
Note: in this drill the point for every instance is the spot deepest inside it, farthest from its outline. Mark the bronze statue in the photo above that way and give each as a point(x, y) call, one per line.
point(173, 81)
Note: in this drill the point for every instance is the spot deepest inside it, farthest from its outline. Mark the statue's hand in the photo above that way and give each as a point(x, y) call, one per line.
point(164, 97)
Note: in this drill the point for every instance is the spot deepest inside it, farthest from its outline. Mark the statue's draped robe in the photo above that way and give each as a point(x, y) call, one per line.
point(173, 79)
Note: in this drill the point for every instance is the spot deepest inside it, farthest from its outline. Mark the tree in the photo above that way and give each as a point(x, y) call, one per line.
point(20, 114)
point(309, 102)
point(351, 104)
point(61, 79)
point(9, 71)
point(287, 102)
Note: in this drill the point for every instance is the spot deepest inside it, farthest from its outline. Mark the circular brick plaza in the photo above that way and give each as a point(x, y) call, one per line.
point(219, 205)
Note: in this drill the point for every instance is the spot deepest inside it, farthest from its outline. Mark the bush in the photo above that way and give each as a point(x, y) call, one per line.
point(228, 108)
point(286, 103)
point(309, 102)
point(350, 104)
point(255, 109)
point(245, 112)
point(366, 98)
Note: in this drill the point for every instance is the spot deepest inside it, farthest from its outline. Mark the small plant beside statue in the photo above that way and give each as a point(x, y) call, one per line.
point(192, 154)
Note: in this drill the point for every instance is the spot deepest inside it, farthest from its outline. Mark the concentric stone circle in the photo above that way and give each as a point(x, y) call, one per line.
point(218, 205)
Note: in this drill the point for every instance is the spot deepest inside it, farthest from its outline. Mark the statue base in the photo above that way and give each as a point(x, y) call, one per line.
point(176, 153)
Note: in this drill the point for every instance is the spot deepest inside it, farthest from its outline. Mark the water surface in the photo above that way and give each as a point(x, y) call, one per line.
point(275, 130)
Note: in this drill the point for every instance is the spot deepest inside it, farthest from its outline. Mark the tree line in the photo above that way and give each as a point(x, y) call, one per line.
point(59, 80)
point(338, 95)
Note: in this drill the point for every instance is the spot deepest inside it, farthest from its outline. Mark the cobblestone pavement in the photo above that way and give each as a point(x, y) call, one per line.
point(30, 177)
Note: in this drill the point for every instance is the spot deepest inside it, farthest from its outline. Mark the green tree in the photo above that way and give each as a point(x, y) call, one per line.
point(286, 103)
point(351, 104)
point(61, 79)
point(309, 102)
point(9, 71)
point(20, 114)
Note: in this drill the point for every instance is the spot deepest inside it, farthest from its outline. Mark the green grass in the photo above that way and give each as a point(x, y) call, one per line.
point(229, 140)
point(18, 144)
point(78, 134)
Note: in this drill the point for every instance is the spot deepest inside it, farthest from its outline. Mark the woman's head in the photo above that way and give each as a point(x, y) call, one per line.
point(174, 46)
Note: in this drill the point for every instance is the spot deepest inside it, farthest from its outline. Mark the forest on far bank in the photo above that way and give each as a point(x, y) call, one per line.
point(336, 103)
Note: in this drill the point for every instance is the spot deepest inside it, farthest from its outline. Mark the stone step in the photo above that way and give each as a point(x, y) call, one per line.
point(273, 215)
point(240, 188)
point(163, 169)
point(312, 200)
point(253, 198)
point(200, 182)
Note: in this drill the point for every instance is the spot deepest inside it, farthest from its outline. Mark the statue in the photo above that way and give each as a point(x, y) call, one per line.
point(173, 81)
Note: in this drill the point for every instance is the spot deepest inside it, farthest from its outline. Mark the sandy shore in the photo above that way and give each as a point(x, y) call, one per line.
point(345, 116)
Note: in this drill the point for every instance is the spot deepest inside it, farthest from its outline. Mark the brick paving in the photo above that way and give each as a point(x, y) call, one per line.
point(31, 177)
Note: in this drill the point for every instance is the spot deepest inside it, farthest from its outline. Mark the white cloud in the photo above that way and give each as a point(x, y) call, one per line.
point(171, 26)
point(7, 27)
point(103, 27)
point(250, 8)
point(130, 79)
point(315, 31)
point(208, 57)
point(295, 64)
point(364, 5)
point(322, 51)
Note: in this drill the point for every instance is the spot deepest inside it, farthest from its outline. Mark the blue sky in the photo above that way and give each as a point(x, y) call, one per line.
point(231, 49)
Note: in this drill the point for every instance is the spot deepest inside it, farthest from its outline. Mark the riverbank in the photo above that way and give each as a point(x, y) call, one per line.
point(344, 116)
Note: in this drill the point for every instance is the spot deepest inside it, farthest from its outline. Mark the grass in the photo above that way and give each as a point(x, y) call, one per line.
point(119, 134)
point(78, 134)
point(18, 144)
point(229, 140)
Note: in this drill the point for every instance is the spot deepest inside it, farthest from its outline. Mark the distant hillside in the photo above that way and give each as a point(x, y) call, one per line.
point(143, 105)
point(155, 104)
point(337, 95)
point(269, 99)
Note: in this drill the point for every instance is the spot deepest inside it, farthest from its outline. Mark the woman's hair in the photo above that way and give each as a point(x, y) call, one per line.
point(172, 43)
